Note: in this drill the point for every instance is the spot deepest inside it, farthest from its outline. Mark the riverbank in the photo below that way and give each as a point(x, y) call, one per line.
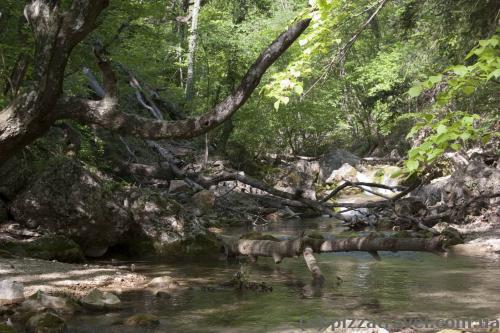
point(71, 279)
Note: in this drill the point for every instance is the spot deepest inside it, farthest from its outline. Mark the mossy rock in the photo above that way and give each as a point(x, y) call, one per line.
point(258, 236)
point(385, 225)
point(314, 235)
point(199, 245)
point(46, 322)
point(142, 319)
point(47, 247)
point(453, 237)
point(402, 234)
point(6, 329)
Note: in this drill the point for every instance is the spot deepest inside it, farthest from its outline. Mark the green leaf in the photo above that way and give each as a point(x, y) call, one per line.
point(495, 73)
point(428, 116)
point(468, 120)
point(415, 91)
point(460, 70)
point(412, 165)
point(277, 105)
point(435, 79)
point(441, 129)
point(468, 90)
point(435, 153)
point(455, 146)
point(465, 136)
point(485, 139)
point(298, 89)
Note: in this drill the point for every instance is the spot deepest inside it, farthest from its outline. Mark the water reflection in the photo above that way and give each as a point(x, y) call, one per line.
point(402, 285)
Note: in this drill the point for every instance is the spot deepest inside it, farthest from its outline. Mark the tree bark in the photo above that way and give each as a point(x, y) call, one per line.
point(56, 33)
point(106, 113)
point(306, 246)
point(192, 51)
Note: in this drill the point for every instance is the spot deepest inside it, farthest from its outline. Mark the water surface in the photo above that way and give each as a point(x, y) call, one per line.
point(403, 285)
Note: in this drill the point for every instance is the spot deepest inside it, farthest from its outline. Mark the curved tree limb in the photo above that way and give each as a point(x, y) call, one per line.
point(106, 112)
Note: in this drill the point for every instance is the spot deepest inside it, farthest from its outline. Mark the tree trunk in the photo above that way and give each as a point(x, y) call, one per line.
point(306, 246)
point(192, 51)
point(56, 33)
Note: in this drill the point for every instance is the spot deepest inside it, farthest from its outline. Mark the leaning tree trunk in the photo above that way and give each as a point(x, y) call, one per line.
point(56, 33)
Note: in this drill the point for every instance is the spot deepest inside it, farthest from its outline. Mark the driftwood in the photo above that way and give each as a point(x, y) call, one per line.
point(306, 246)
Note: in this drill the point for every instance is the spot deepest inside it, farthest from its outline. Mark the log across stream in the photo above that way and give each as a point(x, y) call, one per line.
point(307, 246)
point(403, 285)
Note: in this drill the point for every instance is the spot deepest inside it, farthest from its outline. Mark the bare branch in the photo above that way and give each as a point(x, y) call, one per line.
point(109, 116)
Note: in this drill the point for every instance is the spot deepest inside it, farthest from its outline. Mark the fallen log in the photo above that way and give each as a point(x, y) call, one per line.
point(306, 246)
point(313, 266)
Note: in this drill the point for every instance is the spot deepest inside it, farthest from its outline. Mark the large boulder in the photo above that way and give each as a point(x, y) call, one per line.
point(47, 247)
point(98, 213)
point(334, 160)
point(74, 200)
point(345, 172)
point(468, 190)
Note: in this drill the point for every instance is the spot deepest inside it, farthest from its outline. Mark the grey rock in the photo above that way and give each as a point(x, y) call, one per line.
point(100, 300)
point(178, 186)
point(334, 159)
point(82, 204)
point(40, 302)
point(46, 322)
point(163, 282)
point(11, 292)
point(204, 200)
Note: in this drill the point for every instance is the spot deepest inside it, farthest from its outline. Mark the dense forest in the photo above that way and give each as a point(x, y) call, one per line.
point(152, 151)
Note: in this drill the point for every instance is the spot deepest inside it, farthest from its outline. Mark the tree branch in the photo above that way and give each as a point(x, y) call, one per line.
point(107, 114)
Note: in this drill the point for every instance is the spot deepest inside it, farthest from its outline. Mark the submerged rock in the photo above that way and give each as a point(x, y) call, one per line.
point(11, 292)
point(40, 302)
point(46, 322)
point(100, 300)
point(162, 294)
point(163, 282)
point(142, 319)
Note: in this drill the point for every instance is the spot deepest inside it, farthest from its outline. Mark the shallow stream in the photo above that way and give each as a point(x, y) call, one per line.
point(400, 287)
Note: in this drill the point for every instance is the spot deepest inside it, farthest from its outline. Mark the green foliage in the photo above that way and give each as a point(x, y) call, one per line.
point(463, 79)
point(364, 99)
point(455, 129)
point(453, 132)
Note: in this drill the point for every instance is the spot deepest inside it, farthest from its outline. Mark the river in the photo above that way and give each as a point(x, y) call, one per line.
point(400, 287)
